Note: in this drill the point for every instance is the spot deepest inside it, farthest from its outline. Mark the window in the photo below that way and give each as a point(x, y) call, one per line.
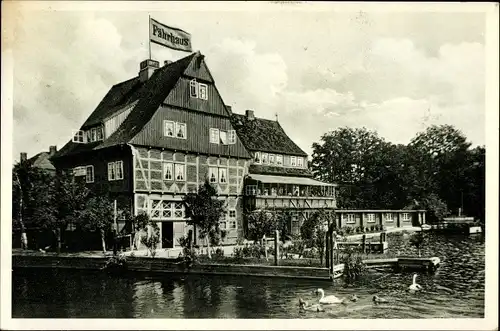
point(222, 222)
point(100, 133)
point(251, 189)
point(89, 174)
point(214, 136)
point(198, 90)
point(257, 157)
point(273, 191)
point(203, 91)
point(293, 161)
point(349, 218)
point(279, 159)
point(180, 129)
point(79, 137)
point(161, 209)
point(231, 137)
point(223, 137)
point(222, 175)
point(168, 130)
point(179, 172)
point(264, 158)
point(389, 217)
point(405, 217)
point(94, 134)
point(168, 171)
point(178, 210)
point(212, 175)
point(370, 218)
point(88, 135)
point(193, 88)
point(232, 219)
point(271, 158)
point(300, 161)
point(79, 171)
point(115, 170)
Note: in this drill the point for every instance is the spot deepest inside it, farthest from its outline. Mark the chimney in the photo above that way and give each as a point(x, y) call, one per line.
point(166, 62)
point(52, 150)
point(249, 114)
point(230, 109)
point(24, 157)
point(147, 67)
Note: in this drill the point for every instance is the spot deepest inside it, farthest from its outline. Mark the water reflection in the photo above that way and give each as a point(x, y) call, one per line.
point(456, 290)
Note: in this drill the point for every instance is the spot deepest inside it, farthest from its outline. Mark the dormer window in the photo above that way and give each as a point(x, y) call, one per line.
point(257, 157)
point(79, 137)
point(293, 161)
point(264, 158)
point(279, 159)
point(300, 162)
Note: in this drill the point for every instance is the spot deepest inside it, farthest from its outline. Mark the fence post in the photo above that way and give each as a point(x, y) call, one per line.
point(363, 243)
point(327, 249)
point(276, 246)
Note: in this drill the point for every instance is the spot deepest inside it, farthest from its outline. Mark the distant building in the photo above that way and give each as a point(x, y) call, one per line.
point(42, 160)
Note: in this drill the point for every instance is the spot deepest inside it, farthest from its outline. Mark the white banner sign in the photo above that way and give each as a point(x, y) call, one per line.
point(169, 37)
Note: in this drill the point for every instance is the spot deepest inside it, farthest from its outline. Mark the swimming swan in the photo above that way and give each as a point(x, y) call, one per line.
point(415, 286)
point(304, 305)
point(376, 299)
point(331, 299)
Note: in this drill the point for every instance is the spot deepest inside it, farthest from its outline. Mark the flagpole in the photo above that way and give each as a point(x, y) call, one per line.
point(149, 37)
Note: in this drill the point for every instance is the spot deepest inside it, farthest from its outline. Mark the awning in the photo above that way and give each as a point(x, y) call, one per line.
point(289, 180)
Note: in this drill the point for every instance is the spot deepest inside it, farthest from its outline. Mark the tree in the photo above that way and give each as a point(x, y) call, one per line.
point(152, 238)
point(443, 150)
point(260, 222)
point(204, 210)
point(362, 163)
point(32, 199)
point(313, 231)
point(97, 216)
point(70, 199)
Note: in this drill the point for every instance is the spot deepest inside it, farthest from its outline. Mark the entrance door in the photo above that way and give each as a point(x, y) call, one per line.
point(167, 234)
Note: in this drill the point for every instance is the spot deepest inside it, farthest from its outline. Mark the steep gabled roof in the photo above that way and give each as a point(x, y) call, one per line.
point(149, 96)
point(42, 161)
point(119, 95)
point(263, 135)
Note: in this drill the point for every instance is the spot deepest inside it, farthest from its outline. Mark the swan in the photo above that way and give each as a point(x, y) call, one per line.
point(415, 286)
point(328, 299)
point(378, 299)
point(303, 305)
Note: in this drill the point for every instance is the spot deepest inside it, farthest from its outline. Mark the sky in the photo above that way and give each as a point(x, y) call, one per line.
point(314, 66)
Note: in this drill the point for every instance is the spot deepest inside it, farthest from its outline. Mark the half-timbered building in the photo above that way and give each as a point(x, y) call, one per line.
point(158, 136)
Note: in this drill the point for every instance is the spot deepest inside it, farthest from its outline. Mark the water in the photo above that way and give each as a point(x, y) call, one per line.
point(456, 290)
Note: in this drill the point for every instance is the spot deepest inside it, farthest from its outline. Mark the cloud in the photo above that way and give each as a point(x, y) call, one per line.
point(246, 78)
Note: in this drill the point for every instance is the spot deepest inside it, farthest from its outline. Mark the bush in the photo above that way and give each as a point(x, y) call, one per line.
point(372, 228)
point(354, 268)
point(118, 262)
point(238, 252)
point(187, 252)
point(219, 252)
